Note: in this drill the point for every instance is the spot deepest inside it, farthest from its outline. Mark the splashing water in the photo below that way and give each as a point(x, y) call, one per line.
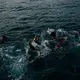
point(19, 67)
point(18, 60)
point(19, 64)
point(44, 49)
point(14, 60)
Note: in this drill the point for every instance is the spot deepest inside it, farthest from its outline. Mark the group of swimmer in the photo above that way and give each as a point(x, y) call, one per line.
point(64, 38)
point(60, 40)
point(60, 37)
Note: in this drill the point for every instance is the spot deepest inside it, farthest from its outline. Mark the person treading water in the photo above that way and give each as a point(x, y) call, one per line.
point(34, 48)
point(59, 36)
point(34, 44)
point(3, 39)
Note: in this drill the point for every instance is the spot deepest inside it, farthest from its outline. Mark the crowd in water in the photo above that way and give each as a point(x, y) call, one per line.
point(60, 39)
point(64, 38)
point(50, 40)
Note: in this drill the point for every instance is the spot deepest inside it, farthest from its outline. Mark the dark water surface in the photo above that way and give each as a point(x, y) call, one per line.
point(21, 19)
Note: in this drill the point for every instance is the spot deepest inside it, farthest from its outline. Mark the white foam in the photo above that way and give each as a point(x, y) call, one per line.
point(50, 30)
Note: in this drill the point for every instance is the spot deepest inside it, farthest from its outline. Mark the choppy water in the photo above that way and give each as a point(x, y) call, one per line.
point(22, 19)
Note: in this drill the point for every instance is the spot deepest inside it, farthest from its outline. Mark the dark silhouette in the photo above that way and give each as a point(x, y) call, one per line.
point(3, 39)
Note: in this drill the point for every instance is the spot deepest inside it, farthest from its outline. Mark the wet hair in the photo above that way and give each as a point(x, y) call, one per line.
point(3, 39)
point(53, 34)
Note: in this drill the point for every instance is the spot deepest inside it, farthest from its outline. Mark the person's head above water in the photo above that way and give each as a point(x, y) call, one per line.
point(3, 39)
point(52, 32)
point(35, 38)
